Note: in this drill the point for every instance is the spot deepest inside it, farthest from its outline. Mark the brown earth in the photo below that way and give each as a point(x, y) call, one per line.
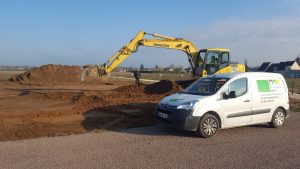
point(35, 106)
point(161, 87)
point(58, 74)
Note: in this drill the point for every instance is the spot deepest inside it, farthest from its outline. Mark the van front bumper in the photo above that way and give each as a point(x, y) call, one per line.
point(179, 119)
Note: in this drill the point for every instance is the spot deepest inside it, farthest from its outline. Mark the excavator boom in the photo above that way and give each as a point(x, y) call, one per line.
point(122, 54)
point(159, 41)
point(217, 60)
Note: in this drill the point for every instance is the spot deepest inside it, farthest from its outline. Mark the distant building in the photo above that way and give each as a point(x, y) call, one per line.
point(264, 66)
point(188, 70)
point(168, 69)
point(287, 69)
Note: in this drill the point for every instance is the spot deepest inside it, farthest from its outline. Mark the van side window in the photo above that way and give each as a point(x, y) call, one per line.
point(237, 87)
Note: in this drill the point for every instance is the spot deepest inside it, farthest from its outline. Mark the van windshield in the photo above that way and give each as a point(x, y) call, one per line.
point(206, 86)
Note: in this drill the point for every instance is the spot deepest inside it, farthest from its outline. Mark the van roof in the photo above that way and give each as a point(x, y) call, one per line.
point(223, 75)
point(231, 75)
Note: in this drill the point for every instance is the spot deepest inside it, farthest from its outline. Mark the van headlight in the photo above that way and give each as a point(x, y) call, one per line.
point(188, 105)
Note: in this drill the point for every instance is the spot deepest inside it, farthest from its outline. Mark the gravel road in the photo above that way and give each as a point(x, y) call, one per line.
point(160, 147)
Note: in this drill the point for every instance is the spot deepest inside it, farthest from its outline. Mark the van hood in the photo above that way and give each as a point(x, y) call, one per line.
point(179, 98)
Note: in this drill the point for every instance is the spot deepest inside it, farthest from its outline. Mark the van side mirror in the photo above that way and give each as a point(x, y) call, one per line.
point(232, 94)
point(224, 96)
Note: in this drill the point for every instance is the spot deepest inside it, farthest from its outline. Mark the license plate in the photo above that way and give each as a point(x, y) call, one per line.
point(162, 115)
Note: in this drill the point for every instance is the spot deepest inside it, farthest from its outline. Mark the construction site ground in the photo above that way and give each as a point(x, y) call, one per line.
point(31, 106)
point(30, 109)
point(35, 111)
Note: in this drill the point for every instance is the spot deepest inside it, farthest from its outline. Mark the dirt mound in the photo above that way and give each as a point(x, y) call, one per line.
point(161, 87)
point(50, 73)
point(88, 100)
point(185, 83)
point(50, 94)
point(131, 89)
point(127, 94)
point(57, 74)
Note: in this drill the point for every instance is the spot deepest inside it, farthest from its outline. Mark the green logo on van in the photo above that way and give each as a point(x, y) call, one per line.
point(263, 85)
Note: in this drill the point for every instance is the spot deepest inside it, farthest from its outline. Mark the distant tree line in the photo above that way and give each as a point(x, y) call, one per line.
point(14, 68)
point(157, 69)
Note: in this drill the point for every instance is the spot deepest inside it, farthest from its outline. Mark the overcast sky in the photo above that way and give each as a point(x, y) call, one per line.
point(90, 31)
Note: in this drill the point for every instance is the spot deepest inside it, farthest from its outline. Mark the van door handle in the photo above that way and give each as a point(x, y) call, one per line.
point(247, 100)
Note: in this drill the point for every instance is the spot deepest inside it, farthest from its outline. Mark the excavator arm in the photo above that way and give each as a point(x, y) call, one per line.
point(159, 41)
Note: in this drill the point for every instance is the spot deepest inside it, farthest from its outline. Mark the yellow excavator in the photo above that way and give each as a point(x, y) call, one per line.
point(203, 62)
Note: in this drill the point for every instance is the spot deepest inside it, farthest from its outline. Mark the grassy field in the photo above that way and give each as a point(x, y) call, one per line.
point(155, 76)
point(295, 105)
point(6, 74)
point(293, 84)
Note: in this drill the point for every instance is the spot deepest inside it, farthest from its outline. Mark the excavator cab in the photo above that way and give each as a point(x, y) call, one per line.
point(216, 61)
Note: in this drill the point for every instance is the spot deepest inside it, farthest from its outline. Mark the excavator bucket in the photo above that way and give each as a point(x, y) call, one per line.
point(89, 72)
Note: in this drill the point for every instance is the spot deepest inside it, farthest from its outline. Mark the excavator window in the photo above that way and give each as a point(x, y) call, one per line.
point(212, 58)
point(212, 62)
point(224, 57)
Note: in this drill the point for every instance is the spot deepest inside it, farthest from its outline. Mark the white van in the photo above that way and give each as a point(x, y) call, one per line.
point(227, 100)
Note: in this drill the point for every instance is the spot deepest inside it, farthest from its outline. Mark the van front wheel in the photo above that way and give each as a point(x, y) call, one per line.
point(277, 118)
point(208, 126)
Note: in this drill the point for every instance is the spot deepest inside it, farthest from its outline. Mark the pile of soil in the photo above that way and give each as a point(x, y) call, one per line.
point(57, 74)
point(50, 94)
point(50, 73)
point(160, 88)
point(151, 93)
point(185, 83)
point(131, 89)
point(88, 100)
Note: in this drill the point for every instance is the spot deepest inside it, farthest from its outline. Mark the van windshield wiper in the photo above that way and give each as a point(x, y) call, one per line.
point(204, 94)
point(184, 92)
point(195, 93)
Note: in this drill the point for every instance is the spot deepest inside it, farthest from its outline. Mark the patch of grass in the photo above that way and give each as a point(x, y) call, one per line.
point(293, 84)
point(155, 76)
point(294, 105)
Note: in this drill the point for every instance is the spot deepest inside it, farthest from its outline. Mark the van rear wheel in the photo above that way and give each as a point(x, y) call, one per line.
point(208, 126)
point(278, 118)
